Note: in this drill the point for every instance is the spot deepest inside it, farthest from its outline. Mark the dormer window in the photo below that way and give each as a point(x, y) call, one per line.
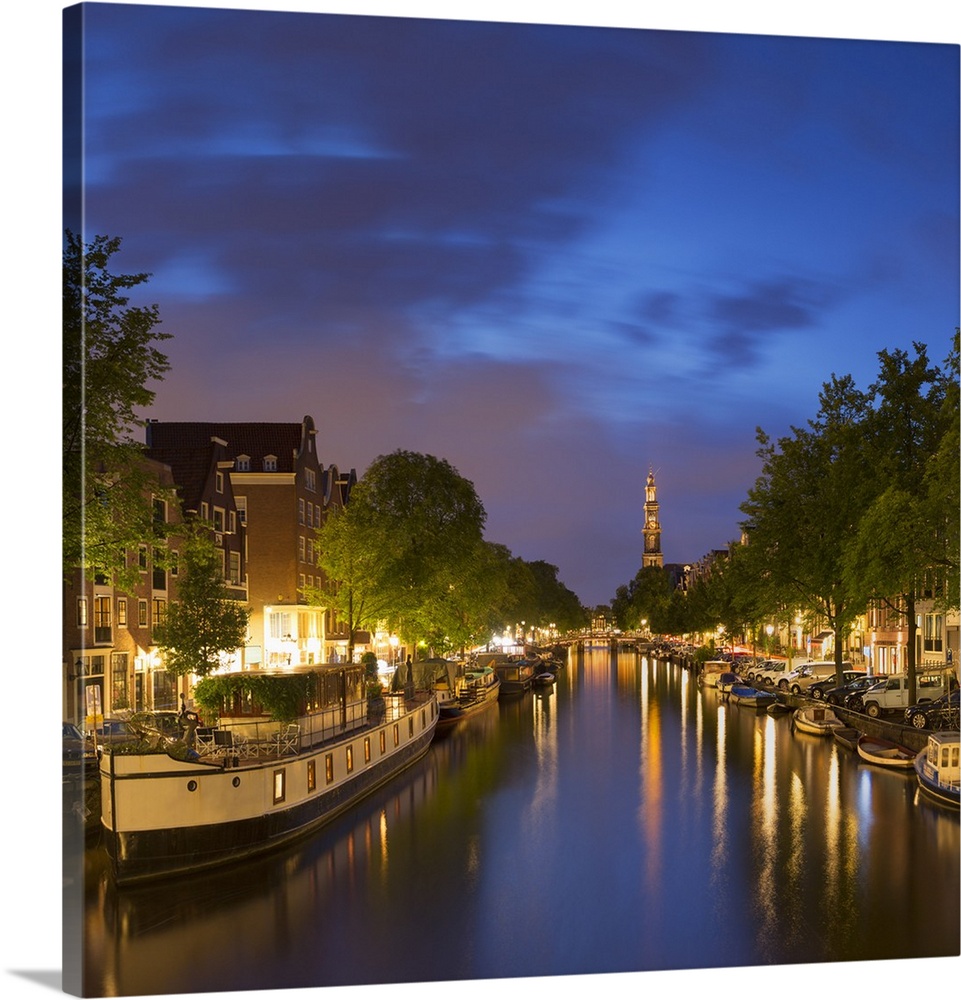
point(270, 463)
point(243, 463)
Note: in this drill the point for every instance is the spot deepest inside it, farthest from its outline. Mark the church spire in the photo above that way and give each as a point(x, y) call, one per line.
point(652, 527)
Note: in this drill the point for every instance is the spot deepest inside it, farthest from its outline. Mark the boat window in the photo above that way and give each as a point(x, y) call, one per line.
point(383, 741)
point(396, 735)
point(350, 758)
point(311, 775)
point(410, 725)
point(366, 749)
point(329, 765)
point(280, 786)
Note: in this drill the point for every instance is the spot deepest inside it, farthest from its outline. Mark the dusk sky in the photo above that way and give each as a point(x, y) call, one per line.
point(555, 256)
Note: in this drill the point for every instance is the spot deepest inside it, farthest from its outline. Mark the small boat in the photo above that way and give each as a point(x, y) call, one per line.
point(778, 707)
point(847, 737)
point(544, 680)
point(259, 782)
point(816, 721)
point(711, 671)
point(937, 768)
point(876, 750)
point(750, 696)
point(726, 681)
point(476, 690)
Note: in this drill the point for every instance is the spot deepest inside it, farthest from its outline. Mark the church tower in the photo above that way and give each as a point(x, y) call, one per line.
point(652, 527)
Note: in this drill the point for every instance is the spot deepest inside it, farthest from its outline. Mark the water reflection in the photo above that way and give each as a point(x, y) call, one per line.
point(623, 820)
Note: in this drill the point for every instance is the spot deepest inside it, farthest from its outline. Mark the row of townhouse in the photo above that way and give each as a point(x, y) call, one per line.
point(877, 640)
point(264, 491)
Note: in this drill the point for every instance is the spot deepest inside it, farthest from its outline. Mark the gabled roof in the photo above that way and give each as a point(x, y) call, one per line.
point(191, 468)
point(256, 440)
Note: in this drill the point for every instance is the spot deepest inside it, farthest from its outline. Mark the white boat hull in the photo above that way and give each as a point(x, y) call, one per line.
point(162, 816)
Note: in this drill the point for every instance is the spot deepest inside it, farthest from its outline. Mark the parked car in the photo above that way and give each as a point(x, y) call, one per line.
point(755, 670)
point(814, 671)
point(855, 685)
point(895, 692)
point(855, 700)
point(79, 754)
point(818, 689)
point(942, 713)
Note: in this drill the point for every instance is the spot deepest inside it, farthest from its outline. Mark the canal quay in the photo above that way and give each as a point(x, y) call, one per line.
point(624, 820)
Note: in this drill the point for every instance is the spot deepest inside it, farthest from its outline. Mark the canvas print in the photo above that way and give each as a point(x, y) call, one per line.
point(510, 503)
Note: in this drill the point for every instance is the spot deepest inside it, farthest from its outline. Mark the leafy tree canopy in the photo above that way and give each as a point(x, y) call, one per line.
point(110, 358)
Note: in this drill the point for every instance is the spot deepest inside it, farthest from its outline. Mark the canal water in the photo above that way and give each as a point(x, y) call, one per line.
point(625, 821)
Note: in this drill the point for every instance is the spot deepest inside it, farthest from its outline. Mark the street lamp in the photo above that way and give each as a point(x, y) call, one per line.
point(770, 631)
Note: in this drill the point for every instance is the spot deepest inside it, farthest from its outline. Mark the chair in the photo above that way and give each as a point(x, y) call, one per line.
point(288, 741)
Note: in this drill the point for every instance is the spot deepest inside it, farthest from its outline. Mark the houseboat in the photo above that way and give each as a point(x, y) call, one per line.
point(516, 673)
point(473, 692)
point(938, 769)
point(252, 783)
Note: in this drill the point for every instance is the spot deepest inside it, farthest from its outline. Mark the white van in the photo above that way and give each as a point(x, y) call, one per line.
point(894, 693)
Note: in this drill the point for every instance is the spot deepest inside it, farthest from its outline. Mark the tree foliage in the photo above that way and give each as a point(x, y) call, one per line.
point(110, 358)
point(206, 621)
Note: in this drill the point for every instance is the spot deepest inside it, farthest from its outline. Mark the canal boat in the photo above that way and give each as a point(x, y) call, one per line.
point(543, 680)
point(751, 697)
point(258, 783)
point(937, 768)
point(516, 673)
point(816, 721)
point(847, 737)
point(885, 753)
point(711, 671)
point(476, 690)
point(726, 681)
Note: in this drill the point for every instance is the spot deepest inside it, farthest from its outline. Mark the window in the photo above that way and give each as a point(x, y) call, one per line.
point(311, 775)
point(350, 759)
point(280, 786)
point(310, 479)
point(159, 572)
point(329, 767)
point(396, 735)
point(218, 519)
point(270, 463)
point(383, 741)
point(366, 749)
point(204, 510)
point(302, 548)
point(82, 612)
point(933, 641)
point(119, 689)
point(159, 610)
point(235, 568)
point(301, 581)
point(142, 558)
point(159, 511)
point(310, 515)
point(174, 562)
point(310, 551)
point(142, 613)
point(241, 503)
point(232, 521)
point(243, 463)
point(219, 482)
point(101, 619)
point(300, 510)
point(122, 611)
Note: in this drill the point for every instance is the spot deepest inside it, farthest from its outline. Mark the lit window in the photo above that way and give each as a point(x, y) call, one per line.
point(122, 611)
point(280, 786)
point(329, 767)
point(366, 749)
point(82, 611)
point(350, 759)
point(311, 775)
point(142, 613)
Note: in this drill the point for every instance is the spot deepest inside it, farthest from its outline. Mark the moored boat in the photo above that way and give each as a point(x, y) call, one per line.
point(726, 681)
point(751, 696)
point(258, 784)
point(545, 679)
point(816, 721)
point(937, 768)
point(711, 671)
point(847, 737)
point(876, 750)
point(476, 690)
point(516, 674)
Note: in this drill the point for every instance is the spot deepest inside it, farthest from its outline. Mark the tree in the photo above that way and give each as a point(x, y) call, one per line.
point(804, 508)
point(206, 621)
point(900, 539)
point(407, 547)
point(109, 360)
